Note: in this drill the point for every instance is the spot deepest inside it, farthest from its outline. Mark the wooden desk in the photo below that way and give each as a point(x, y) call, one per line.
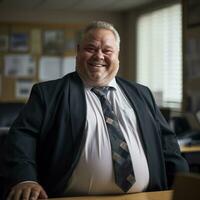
point(192, 155)
point(161, 195)
point(189, 149)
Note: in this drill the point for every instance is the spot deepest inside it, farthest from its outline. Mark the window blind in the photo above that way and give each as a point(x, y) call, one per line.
point(159, 54)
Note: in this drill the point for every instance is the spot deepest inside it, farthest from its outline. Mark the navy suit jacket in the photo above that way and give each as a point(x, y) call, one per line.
point(45, 142)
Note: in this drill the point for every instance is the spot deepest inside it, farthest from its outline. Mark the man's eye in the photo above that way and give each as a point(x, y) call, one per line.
point(90, 49)
point(107, 51)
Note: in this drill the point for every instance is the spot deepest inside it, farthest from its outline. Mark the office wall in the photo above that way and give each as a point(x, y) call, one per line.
point(60, 18)
point(57, 17)
point(125, 23)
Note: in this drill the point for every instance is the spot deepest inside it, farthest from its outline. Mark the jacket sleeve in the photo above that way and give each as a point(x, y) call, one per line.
point(174, 162)
point(19, 160)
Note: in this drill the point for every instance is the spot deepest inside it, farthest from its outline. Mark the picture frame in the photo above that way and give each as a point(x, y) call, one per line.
point(19, 65)
point(23, 88)
point(19, 41)
point(53, 42)
point(4, 42)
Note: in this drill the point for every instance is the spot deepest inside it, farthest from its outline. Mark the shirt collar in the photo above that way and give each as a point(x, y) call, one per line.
point(112, 84)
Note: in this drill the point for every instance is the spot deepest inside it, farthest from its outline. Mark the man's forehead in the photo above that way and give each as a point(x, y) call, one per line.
point(99, 33)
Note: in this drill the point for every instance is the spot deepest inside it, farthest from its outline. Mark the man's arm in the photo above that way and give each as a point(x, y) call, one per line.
point(19, 160)
point(174, 161)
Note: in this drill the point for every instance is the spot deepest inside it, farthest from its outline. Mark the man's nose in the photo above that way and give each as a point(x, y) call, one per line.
point(99, 54)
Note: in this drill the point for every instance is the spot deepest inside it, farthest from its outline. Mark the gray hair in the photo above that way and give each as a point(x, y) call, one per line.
point(102, 25)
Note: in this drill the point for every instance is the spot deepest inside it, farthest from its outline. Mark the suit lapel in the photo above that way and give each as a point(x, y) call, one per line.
point(139, 109)
point(77, 107)
point(149, 132)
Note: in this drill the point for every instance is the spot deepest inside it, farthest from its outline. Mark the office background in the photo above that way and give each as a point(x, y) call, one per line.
point(23, 21)
point(37, 35)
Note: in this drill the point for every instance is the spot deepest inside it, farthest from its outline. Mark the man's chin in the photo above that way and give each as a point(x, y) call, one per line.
point(98, 82)
point(95, 80)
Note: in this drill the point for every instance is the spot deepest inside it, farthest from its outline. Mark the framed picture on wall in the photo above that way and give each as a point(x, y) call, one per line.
point(53, 42)
point(70, 41)
point(23, 65)
point(23, 88)
point(3, 42)
point(19, 41)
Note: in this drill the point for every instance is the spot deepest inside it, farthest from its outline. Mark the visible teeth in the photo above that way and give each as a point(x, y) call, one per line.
point(98, 65)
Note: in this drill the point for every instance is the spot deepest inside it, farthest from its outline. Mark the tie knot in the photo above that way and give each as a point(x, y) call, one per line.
point(101, 91)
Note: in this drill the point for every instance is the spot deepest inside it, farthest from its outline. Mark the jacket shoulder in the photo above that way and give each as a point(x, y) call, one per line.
point(53, 83)
point(132, 88)
point(132, 85)
point(55, 86)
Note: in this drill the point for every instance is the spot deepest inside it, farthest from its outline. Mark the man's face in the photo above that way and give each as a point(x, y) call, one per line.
point(97, 57)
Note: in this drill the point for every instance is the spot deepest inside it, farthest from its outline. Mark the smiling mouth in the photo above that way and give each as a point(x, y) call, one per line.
point(97, 65)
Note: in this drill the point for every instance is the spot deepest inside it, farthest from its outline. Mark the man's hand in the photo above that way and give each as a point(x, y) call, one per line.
point(27, 191)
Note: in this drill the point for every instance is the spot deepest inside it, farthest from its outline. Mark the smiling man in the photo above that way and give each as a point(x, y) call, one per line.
point(90, 132)
point(97, 58)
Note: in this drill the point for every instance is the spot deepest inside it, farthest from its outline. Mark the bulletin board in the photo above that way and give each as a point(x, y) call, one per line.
point(31, 53)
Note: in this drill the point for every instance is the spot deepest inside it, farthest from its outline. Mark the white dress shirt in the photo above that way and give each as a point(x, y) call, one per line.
point(94, 171)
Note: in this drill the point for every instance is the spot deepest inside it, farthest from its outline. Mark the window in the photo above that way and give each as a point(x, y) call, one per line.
point(159, 54)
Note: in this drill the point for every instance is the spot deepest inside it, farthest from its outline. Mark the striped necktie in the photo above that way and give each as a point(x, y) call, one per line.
point(123, 169)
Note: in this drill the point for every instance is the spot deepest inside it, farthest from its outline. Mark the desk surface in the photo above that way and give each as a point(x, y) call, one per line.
point(161, 195)
point(189, 149)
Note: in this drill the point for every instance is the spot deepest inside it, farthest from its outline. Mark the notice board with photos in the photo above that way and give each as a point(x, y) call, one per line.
point(191, 55)
point(31, 53)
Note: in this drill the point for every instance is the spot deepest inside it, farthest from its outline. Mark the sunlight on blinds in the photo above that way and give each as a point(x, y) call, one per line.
point(159, 54)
